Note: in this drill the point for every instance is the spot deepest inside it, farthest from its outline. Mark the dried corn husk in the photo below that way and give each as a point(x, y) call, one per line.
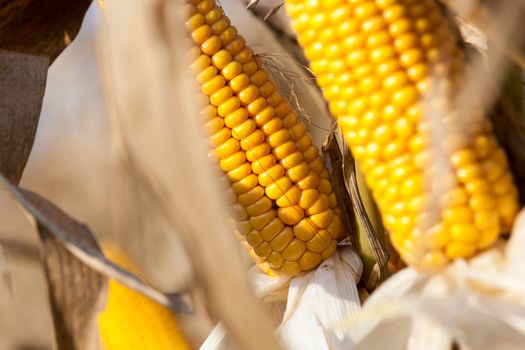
point(479, 304)
point(315, 301)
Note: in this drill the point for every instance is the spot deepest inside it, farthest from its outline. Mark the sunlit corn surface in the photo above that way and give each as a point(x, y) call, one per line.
point(281, 196)
point(390, 70)
point(133, 321)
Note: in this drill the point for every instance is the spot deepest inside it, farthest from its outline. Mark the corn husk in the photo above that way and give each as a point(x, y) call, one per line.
point(315, 301)
point(476, 304)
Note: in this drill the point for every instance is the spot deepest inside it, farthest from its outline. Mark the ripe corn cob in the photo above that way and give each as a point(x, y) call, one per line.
point(282, 198)
point(377, 61)
point(133, 321)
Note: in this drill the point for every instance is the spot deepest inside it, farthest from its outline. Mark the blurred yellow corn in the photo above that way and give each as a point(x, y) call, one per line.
point(377, 61)
point(282, 198)
point(133, 321)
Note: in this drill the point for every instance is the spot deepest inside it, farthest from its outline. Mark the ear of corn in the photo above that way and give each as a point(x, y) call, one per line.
point(281, 195)
point(377, 61)
point(133, 321)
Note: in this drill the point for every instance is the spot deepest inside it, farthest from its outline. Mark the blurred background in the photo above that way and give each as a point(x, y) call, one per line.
point(70, 165)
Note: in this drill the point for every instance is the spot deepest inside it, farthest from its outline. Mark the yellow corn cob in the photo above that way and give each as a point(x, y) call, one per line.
point(376, 62)
point(133, 321)
point(282, 198)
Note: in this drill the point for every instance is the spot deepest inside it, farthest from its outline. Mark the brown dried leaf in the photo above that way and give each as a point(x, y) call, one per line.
point(21, 92)
point(38, 27)
point(76, 294)
point(78, 240)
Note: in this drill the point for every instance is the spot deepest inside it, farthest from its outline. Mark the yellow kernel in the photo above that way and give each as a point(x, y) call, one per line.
point(278, 188)
point(382, 54)
point(254, 238)
point(469, 173)
point(214, 125)
point(231, 70)
point(279, 242)
point(464, 233)
point(456, 197)
point(260, 207)
point(463, 157)
point(310, 260)
point(245, 184)
point(508, 208)
point(278, 138)
point(294, 250)
point(240, 172)
point(489, 235)
point(232, 161)
point(291, 215)
point(272, 174)
point(437, 237)
point(263, 250)
point(211, 45)
point(284, 150)
point(293, 160)
point(244, 130)
point(504, 185)
point(373, 24)
point(405, 96)
point(378, 39)
point(434, 260)
point(259, 221)
point(329, 251)
point(482, 202)
point(264, 163)
point(291, 197)
point(411, 57)
point(275, 260)
point(483, 145)
point(399, 27)
point(255, 138)
point(460, 250)
point(322, 220)
point(272, 126)
point(291, 267)
point(272, 229)
point(459, 214)
point(477, 186)
point(243, 227)
point(394, 149)
point(227, 148)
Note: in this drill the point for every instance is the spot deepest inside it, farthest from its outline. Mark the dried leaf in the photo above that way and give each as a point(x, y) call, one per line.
point(21, 92)
point(374, 237)
point(159, 121)
point(78, 240)
point(41, 28)
point(76, 294)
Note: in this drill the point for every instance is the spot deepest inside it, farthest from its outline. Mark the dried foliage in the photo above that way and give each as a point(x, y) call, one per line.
point(21, 92)
point(42, 28)
point(160, 126)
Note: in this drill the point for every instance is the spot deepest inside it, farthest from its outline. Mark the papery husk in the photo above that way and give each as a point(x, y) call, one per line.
point(315, 301)
point(475, 304)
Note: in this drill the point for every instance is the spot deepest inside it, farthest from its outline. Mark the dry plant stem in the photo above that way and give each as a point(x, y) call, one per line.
point(73, 236)
point(334, 163)
point(164, 136)
point(21, 93)
point(380, 253)
point(41, 28)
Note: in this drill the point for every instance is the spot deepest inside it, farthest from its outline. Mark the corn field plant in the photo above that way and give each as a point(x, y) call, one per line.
point(317, 174)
